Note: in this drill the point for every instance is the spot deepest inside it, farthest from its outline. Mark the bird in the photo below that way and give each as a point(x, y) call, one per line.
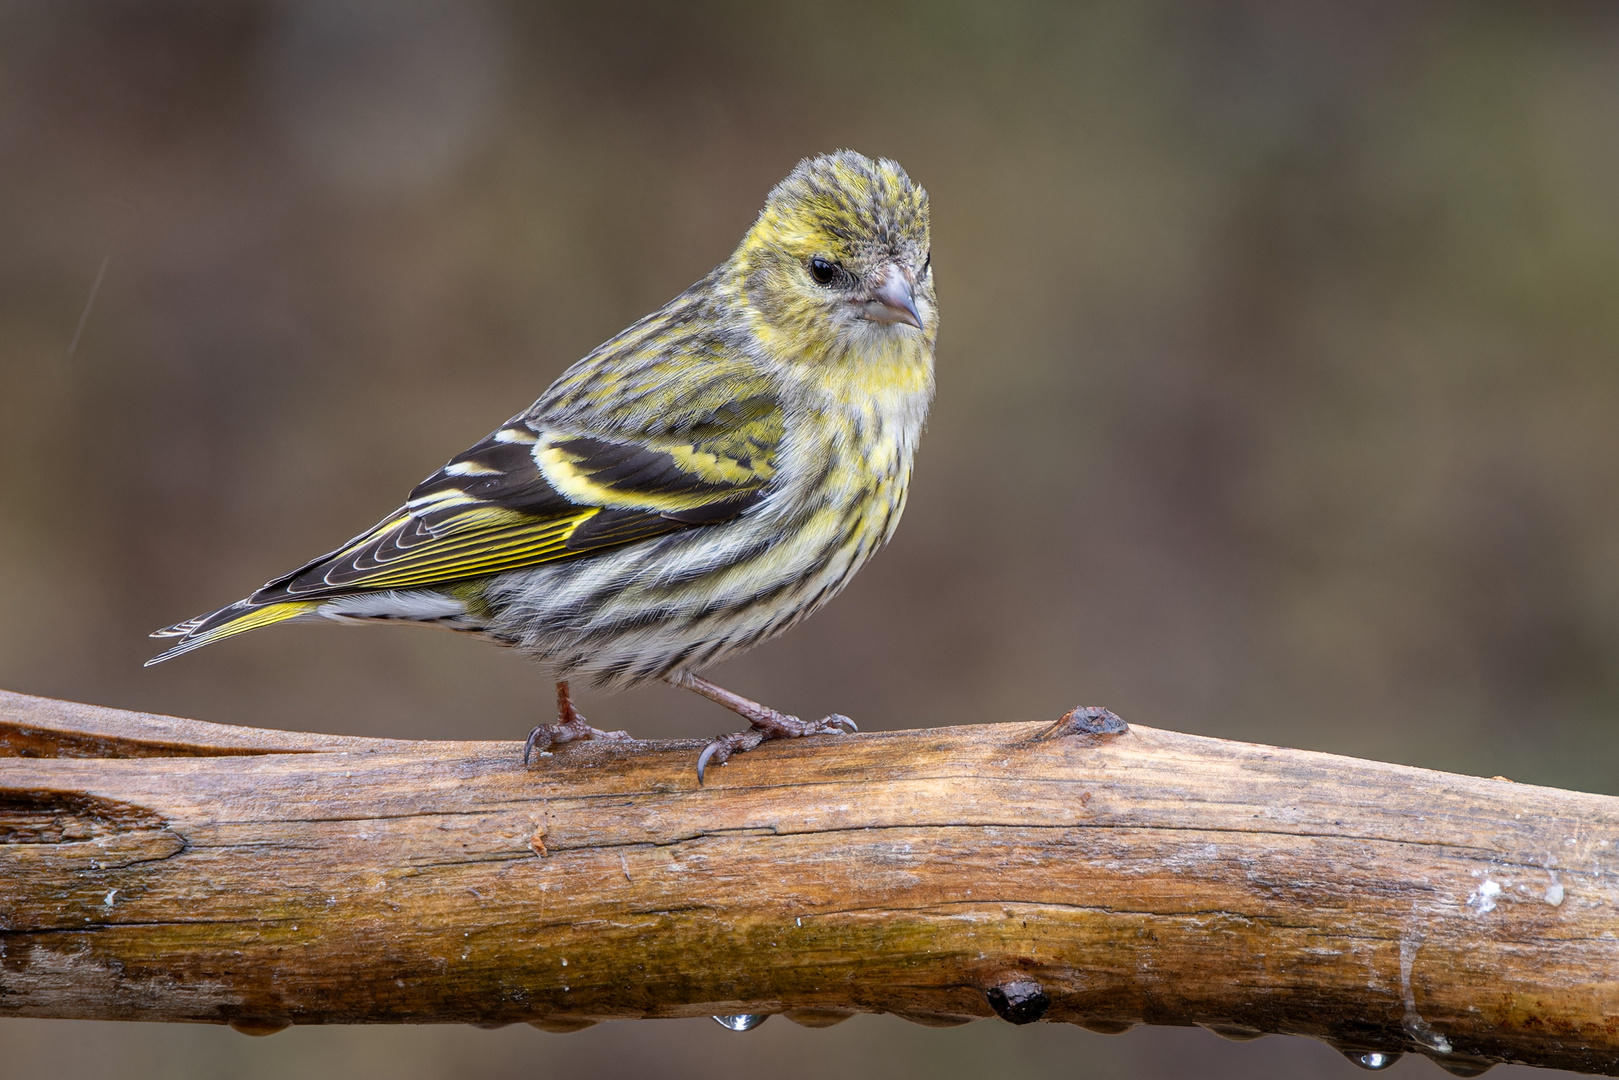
point(695, 485)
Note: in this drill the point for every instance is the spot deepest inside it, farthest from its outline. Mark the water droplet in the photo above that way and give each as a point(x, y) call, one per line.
point(260, 1025)
point(1373, 1059)
point(1461, 1066)
point(1107, 1027)
point(561, 1025)
point(817, 1018)
point(933, 1019)
point(742, 1021)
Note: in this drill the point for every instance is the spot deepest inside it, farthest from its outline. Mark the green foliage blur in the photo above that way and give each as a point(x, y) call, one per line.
point(1278, 388)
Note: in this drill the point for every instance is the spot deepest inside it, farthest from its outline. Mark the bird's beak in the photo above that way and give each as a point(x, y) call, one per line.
point(895, 299)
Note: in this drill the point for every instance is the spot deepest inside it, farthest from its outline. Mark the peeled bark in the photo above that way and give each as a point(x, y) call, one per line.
point(162, 869)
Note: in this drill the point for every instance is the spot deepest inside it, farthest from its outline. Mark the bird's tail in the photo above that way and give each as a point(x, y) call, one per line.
point(238, 618)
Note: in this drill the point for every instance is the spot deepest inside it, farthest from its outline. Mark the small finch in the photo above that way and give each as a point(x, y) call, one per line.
point(694, 486)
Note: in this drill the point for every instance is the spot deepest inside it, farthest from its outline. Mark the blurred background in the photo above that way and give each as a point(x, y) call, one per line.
point(1278, 389)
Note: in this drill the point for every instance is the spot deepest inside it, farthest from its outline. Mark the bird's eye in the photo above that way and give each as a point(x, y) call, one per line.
point(823, 270)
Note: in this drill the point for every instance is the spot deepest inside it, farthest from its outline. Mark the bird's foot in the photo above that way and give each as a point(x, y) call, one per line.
point(774, 726)
point(1085, 720)
point(570, 727)
point(545, 736)
point(766, 723)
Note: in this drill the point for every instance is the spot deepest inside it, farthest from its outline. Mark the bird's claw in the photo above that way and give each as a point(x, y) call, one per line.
point(719, 751)
point(545, 736)
point(1085, 720)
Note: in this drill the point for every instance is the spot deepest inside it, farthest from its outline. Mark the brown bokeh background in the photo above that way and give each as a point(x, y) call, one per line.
point(1278, 389)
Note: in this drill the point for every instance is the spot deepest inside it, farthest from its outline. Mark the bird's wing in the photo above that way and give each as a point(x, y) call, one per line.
point(531, 494)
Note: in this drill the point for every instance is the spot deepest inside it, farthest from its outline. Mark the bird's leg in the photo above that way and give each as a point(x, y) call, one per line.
point(569, 727)
point(766, 723)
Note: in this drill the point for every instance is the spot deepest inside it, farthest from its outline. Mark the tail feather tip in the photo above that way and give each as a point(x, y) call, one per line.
point(224, 623)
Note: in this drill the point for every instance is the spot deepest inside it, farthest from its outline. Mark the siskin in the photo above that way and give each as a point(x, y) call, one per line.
point(694, 486)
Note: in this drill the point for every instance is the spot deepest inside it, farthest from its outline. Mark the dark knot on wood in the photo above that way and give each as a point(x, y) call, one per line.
point(1018, 1000)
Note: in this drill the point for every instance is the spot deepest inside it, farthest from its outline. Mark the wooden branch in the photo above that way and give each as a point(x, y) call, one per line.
point(161, 869)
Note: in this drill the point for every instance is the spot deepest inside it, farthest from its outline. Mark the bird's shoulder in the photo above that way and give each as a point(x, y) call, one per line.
point(667, 371)
point(656, 432)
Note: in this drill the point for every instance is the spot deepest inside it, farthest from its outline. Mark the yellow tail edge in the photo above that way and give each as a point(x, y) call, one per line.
point(206, 631)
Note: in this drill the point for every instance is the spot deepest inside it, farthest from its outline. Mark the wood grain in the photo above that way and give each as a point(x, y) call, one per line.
point(162, 869)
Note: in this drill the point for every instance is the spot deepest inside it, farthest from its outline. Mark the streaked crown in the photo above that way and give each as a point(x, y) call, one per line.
point(863, 207)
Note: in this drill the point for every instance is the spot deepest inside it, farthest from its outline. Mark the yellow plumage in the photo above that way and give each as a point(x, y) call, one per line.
point(694, 486)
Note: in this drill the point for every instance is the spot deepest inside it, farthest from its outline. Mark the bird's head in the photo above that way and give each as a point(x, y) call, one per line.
point(840, 257)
